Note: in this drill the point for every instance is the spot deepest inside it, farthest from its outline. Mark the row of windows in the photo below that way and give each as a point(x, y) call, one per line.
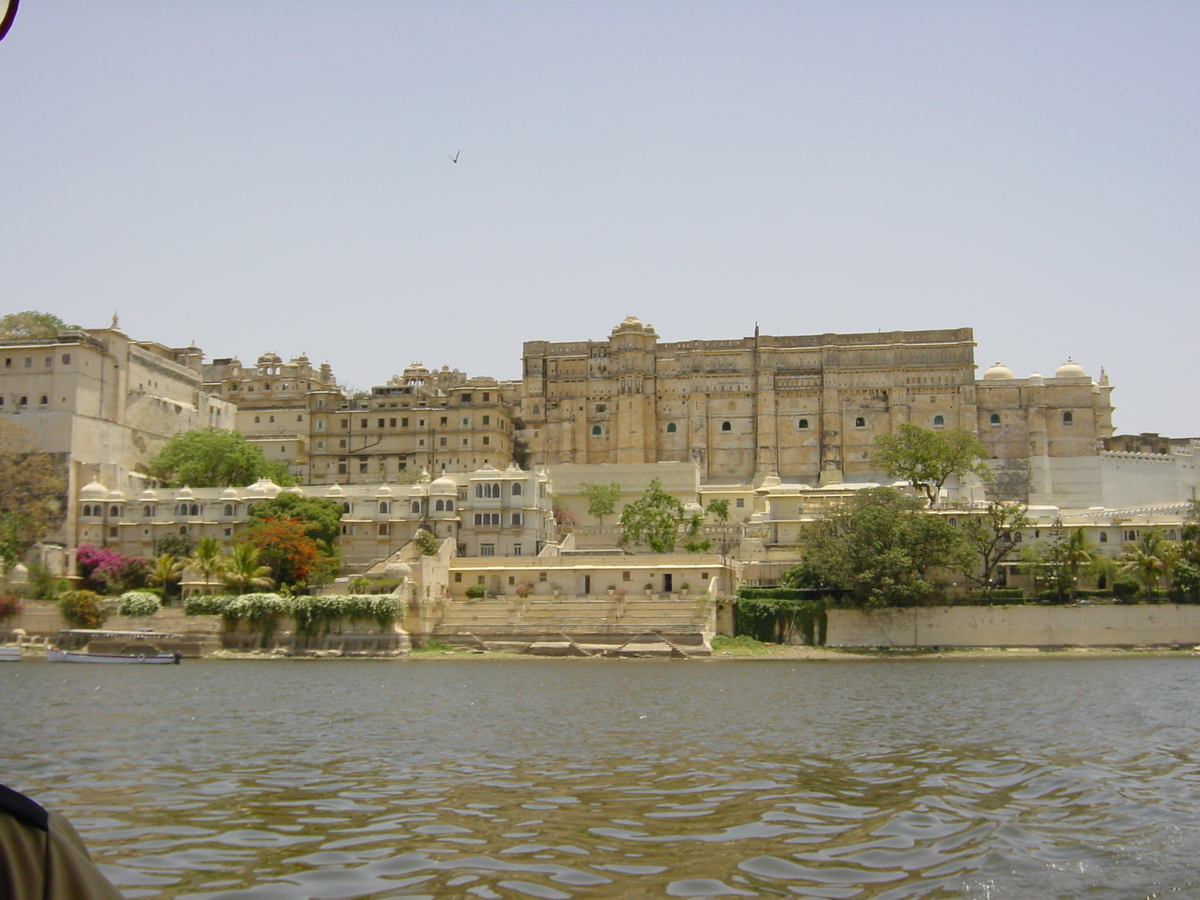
point(49, 361)
point(494, 519)
point(24, 401)
point(492, 490)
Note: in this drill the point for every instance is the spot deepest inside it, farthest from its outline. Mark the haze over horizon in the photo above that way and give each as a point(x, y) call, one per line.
point(281, 176)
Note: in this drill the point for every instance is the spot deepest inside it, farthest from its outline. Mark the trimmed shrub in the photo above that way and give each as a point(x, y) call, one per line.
point(82, 609)
point(207, 604)
point(260, 612)
point(476, 591)
point(138, 603)
point(1125, 588)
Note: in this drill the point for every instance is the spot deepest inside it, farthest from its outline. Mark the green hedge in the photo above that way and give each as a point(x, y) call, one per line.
point(314, 616)
point(772, 614)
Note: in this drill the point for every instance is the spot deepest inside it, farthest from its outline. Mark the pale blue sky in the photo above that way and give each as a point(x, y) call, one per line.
point(276, 176)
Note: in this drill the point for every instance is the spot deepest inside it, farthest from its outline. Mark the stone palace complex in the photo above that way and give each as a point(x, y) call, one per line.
point(776, 424)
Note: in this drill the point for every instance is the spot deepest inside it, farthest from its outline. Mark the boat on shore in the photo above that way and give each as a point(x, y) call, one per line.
point(10, 654)
point(139, 656)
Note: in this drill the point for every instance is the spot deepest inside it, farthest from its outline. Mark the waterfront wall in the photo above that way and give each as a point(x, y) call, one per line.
point(1166, 624)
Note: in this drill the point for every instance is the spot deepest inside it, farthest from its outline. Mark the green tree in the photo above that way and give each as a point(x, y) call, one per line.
point(33, 324)
point(32, 491)
point(426, 542)
point(602, 499)
point(166, 573)
point(992, 535)
point(652, 519)
point(928, 459)
point(1147, 559)
point(206, 560)
point(1185, 568)
point(214, 457)
point(1066, 559)
point(720, 509)
point(243, 572)
point(321, 518)
point(880, 547)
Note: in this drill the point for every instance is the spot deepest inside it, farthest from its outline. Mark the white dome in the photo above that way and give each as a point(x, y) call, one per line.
point(335, 490)
point(383, 492)
point(998, 372)
point(1036, 378)
point(185, 493)
point(229, 493)
point(116, 496)
point(147, 496)
point(443, 485)
point(397, 570)
point(94, 491)
point(1070, 369)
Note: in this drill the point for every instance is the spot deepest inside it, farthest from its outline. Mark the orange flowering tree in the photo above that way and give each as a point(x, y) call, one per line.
point(283, 545)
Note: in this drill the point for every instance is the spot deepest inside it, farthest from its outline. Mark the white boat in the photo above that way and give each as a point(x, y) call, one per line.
point(10, 654)
point(153, 657)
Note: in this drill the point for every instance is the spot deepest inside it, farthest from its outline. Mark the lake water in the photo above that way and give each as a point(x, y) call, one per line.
point(980, 778)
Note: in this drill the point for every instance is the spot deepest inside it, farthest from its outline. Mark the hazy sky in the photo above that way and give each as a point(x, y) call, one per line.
point(277, 176)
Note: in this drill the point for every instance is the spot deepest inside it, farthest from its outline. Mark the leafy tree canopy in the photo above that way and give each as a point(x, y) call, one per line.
point(321, 518)
point(602, 499)
point(33, 324)
point(32, 489)
point(928, 459)
point(652, 519)
point(286, 549)
point(880, 547)
point(992, 535)
point(214, 457)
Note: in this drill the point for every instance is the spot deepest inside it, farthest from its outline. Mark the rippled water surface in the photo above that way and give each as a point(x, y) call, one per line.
point(593, 778)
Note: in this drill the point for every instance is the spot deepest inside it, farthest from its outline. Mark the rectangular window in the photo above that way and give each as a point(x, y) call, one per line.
point(384, 529)
point(49, 360)
point(421, 442)
point(444, 420)
point(487, 420)
point(362, 468)
point(364, 423)
point(458, 577)
point(512, 579)
point(342, 468)
point(487, 398)
point(466, 422)
point(487, 550)
point(404, 423)
point(228, 532)
point(392, 422)
point(441, 442)
point(420, 423)
point(28, 361)
point(739, 503)
point(486, 440)
point(320, 445)
point(342, 443)
point(626, 576)
point(466, 398)
point(381, 423)
point(516, 519)
point(345, 423)
point(541, 576)
point(516, 549)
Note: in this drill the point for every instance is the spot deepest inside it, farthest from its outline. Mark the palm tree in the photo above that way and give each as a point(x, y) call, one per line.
point(1147, 558)
point(206, 560)
point(167, 570)
point(242, 571)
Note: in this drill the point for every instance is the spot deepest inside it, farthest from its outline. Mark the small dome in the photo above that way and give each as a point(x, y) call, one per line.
point(116, 496)
point(270, 359)
point(147, 496)
point(1070, 369)
point(397, 570)
point(335, 490)
point(998, 372)
point(230, 493)
point(383, 492)
point(1036, 378)
point(93, 491)
point(423, 478)
point(264, 487)
point(294, 489)
point(443, 485)
point(185, 493)
point(415, 370)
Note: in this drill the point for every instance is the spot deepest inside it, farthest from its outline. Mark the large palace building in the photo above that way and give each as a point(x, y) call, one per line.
point(805, 408)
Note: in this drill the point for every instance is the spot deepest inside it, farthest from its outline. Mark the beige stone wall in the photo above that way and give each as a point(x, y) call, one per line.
point(1017, 626)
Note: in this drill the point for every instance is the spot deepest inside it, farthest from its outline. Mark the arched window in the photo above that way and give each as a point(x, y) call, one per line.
point(449, 506)
point(939, 421)
point(439, 506)
point(995, 419)
point(183, 529)
point(860, 422)
point(1171, 535)
point(229, 509)
point(478, 491)
point(1068, 418)
point(416, 506)
point(802, 424)
point(44, 400)
point(596, 429)
point(147, 511)
point(516, 489)
point(384, 506)
point(1104, 537)
point(725, 426)
point(87, 510)
point(670, 428)
point(114, 511)
point(496, 490)
point(195, 510)
point(345, 507)
point(24, 401)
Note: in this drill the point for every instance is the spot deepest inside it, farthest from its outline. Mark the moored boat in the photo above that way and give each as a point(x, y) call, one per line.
point(145, 656)
point(10, 654)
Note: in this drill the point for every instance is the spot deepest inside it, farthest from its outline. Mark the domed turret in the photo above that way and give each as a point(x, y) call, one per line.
point(1070, 369)
point(443, 485)
point(998, 372)
point(1036, 378)
point(93, 491)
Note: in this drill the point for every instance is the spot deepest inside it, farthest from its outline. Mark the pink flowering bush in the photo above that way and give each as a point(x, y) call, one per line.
point(109, 571)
